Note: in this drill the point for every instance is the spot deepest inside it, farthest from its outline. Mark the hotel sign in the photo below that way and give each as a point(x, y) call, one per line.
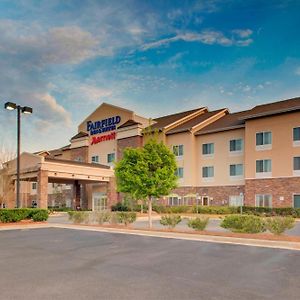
point(102, 126)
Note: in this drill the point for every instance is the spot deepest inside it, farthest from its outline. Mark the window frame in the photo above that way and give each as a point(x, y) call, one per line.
point(235, 167)
point(236, 151)
point(264, 146)
point(114, 157)
point(208, 168)
point(177, 172)
point(208, 146)
point(97, 161)
point(263, 199)
point(180, 150)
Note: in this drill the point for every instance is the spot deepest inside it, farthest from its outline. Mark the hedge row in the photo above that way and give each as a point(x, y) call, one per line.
point(18, 214)
point(86, 217)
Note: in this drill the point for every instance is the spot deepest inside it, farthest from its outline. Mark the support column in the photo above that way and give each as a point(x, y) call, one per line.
point(84, 196)
point(77, 192)
point(42, 189)
point(112, 194)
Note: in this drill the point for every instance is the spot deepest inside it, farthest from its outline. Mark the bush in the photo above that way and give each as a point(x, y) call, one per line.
point(198, 223)
point(244, 223)
point(120, 207)
point(269, 212)
point(102, 217)
point(18, 214)
point(216, 210)
point(171, 221)
point(40, 215)
point(78, 217)
point(125, 217)
point(278, 225)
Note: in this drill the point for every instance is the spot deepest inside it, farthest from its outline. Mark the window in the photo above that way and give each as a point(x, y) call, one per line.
point(174, 200)
point(178, 150)
point(263, 166)
point(95, 159)
point(79, 159)
point(179, 172)
point(263, 138)
point(297, 163)
point(236, 145)
point(208, 149)
point(263, 200)
point(110, 157)
point(207, 172)
point(296, 134)
point(236, 170)
point(34, 186)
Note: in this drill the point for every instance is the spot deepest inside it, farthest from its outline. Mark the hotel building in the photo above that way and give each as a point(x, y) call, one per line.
point(250, 157)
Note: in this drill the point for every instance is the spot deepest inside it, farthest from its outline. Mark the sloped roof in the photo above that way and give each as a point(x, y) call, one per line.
point(227, 122)
point(129, 123)
point(164, 121)
point(186, 126)
point(59, 151)
point(79, 135)
point(273, 108)
point(72, 162)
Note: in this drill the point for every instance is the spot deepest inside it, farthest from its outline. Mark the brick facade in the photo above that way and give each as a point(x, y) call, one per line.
point(81, 154)
point(42, 189)
point(218, 195)
point(133, 142)
point(281, 189)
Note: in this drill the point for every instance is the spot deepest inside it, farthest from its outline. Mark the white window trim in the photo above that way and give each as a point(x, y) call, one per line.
point(264, 147)
point(236, 153)
point(207, 156)
point(264, 200)
point(296, 143)
point(236, 177)
point(263, 175)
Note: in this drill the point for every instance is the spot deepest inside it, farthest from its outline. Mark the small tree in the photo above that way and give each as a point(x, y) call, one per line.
point(147, 172)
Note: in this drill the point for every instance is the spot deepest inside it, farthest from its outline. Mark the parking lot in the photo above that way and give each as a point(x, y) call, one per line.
point(73, 264)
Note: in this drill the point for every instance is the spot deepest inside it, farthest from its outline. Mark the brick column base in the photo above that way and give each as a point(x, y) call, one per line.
point(42, 190)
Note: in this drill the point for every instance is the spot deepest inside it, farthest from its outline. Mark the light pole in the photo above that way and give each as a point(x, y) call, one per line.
point(25, 110)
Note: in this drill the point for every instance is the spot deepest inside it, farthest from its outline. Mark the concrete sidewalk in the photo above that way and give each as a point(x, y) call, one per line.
point(169, 235)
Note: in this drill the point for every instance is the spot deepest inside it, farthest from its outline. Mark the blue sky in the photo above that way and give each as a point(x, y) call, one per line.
point(64, 58)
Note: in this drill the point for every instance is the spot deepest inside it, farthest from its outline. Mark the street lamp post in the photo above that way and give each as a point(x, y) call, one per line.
point(25, 110)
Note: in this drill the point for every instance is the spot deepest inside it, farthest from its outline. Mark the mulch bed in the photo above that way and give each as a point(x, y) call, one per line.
point(21, 223)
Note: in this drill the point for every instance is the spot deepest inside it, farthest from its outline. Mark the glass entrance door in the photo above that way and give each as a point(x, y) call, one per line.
point(205, 201)
point(99, 201)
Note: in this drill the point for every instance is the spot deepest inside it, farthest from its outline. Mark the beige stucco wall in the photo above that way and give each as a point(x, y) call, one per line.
point(282, 151)
point(221, 159)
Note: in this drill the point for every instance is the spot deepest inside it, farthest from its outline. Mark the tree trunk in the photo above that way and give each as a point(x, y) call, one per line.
point(150, 212)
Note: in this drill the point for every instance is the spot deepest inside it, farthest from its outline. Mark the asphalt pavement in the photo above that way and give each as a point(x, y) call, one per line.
point(73, 264)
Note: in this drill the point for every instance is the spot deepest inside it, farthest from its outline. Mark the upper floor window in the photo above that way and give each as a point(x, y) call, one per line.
point(179, 172)
point(110, 157)
point(236, 145)
point(79, 159)
point(296, 134)
point(263, 138)
point(34, 186)
point(297, 163)
point(208, 172)
point(263, 200)
point(236, 170)
point(264, 166)
point(208, 149)
point(178, 150)
point(95, 159)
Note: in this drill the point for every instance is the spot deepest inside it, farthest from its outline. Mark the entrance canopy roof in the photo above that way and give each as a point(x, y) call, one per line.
point(60, 171)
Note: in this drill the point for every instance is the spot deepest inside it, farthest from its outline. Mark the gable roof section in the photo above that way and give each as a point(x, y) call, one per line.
point(79, 135)
point(129, 123)
point(273, 108)
point(189, 125)
point(166, 121)
point(227, 122)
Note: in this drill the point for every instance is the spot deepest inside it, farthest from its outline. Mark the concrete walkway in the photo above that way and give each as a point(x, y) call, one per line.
point(169, 235)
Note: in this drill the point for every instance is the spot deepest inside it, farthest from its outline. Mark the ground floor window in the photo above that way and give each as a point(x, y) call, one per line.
point(174, 201)
point(297, 201)
point(99, 201)
point(236, 200)
point(263, 200)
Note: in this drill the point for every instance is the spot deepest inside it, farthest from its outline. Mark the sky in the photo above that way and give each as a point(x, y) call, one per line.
point(158, 57)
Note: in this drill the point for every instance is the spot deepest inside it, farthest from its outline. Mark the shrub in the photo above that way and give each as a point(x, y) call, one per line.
point(78, 217)
point(278, 225)
point(102, 217)
point(171, 221)
point(40, 215)
point(126, 217)
point(198, 223)
point(18, 214)
point(216, 210)
point(244, 223)
point(120, 207)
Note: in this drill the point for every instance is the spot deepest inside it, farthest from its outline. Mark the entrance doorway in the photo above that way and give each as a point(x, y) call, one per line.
point(205, 201)
point(297, 201)
point(99, 201)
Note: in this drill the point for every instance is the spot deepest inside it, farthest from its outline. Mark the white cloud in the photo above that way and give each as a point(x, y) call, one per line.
point(243, 33)
point(209, 37)
point(93, 93)
point(297, 71)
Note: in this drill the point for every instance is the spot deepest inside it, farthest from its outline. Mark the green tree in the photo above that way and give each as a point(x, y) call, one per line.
point(147, 173)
